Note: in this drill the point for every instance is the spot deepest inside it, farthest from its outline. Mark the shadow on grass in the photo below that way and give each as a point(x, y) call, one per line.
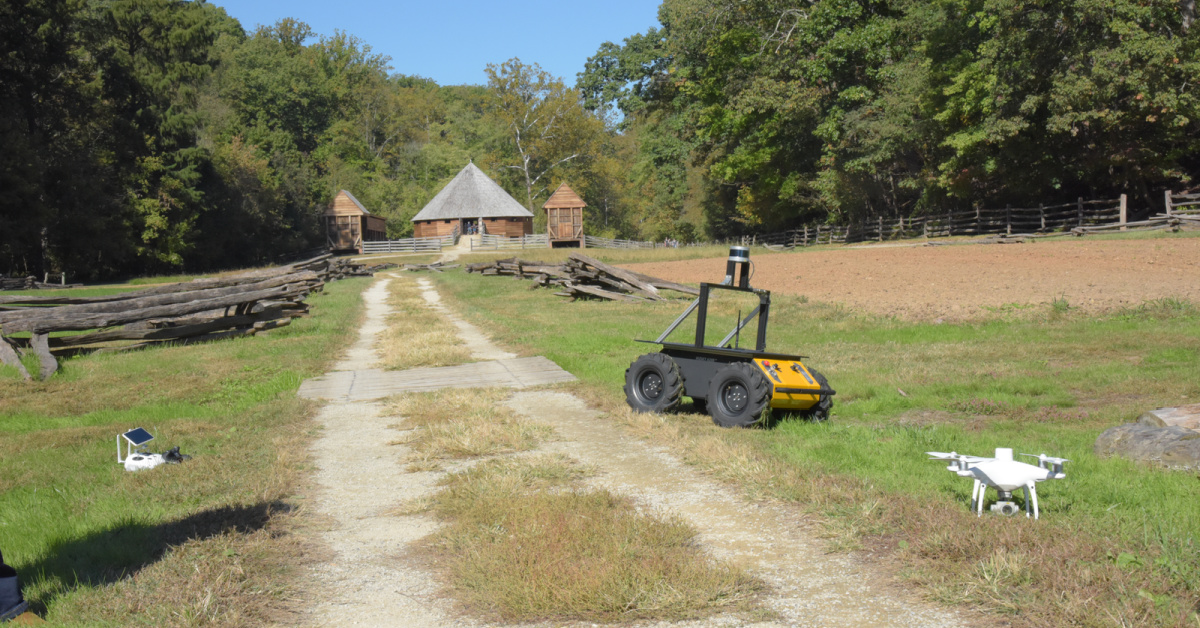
point(119, 552)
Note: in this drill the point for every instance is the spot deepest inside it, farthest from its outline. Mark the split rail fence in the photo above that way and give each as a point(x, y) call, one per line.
point(1010, 221)
point(1182, 204)
point(203, 309)
point(1079, 218)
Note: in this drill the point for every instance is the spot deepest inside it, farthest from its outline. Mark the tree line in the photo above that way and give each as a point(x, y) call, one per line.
point(154, 136)
point(758, 115)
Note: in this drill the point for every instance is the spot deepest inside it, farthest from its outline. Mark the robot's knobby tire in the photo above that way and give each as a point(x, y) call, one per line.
point(653, 383)
point(820, 412)
point(737, 395)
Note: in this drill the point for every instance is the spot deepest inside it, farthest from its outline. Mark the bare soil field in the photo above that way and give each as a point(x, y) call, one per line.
point(954, 282)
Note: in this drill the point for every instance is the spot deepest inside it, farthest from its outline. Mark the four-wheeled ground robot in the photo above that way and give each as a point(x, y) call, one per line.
point(736, 385)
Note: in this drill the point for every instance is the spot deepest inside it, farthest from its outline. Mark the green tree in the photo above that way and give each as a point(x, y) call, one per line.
point(546, 124)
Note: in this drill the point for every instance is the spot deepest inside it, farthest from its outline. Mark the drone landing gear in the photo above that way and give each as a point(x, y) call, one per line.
point(1031, 497)
point(1004, 504)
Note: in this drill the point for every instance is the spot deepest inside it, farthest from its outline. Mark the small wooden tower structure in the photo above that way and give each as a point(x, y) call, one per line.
point(348, 224)
point(564, 217)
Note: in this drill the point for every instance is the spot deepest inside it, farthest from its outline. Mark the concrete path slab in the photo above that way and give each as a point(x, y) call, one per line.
point(371, 384)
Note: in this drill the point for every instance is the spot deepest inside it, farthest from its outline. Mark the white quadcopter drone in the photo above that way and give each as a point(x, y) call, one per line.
point(1005, 475)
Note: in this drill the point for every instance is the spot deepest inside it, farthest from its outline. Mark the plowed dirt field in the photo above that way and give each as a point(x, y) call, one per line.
point(955, 282)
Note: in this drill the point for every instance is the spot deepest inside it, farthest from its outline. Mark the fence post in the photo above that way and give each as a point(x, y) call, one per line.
point(1167, 201)
point(1042, 212)
point(1124, 210)
point(1008, 220)
point(925, 227)
point(977, 219)
point(881, 228)
point(1079, 204)
point(949, 223)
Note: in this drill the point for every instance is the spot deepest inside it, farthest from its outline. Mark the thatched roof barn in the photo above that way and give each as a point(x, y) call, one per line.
point(348, 224)
point(472, 200)
point(564, 217)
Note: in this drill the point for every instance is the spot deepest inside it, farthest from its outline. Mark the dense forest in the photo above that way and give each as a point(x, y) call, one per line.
point(154, 136)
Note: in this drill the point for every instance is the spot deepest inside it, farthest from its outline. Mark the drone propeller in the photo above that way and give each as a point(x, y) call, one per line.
point(1052, 464)
point(941, 455)
point(1045, 458)
point(959, 463)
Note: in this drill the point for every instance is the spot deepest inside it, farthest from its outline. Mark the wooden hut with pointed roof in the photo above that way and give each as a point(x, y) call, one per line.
point(472, 198)
point(564, 217)
point(348, 224)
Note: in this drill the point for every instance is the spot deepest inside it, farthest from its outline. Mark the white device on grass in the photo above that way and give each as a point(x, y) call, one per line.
point(1005, 475)
point(135, 460)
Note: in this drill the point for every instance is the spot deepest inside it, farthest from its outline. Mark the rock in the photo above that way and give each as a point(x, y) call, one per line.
point(1184, 416)
point(1174, 447)
point(1152, 420)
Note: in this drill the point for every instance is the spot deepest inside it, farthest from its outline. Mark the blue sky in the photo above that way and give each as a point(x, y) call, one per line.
point(451, 42)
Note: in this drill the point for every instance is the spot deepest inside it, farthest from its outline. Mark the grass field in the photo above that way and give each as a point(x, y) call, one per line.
point(201, 543)
point(1118, 541)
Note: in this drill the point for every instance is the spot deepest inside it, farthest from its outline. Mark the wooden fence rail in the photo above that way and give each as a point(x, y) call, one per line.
point(409, 245)
point(1066, 218)
point(609, 243)
point(1182, 203)
point(489, 242)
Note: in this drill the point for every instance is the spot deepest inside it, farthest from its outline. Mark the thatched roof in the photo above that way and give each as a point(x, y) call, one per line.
point(564, 196)
point(472, 194)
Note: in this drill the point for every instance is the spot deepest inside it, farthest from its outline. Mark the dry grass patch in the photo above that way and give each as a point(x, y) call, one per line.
point(462, 423)
point(524, 543)
point(417, 335)
point(227, 567)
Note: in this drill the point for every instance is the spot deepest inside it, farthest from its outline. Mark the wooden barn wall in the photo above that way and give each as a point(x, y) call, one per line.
point(374, 228)
point(509, 227)
point(344, 206)
point(433, 228)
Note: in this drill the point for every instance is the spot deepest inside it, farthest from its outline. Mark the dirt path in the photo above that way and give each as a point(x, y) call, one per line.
point(359, 479)
point(367, 581)
point(963, 281)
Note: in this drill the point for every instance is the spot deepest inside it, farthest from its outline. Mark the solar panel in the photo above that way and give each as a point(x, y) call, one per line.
point(137, 437)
